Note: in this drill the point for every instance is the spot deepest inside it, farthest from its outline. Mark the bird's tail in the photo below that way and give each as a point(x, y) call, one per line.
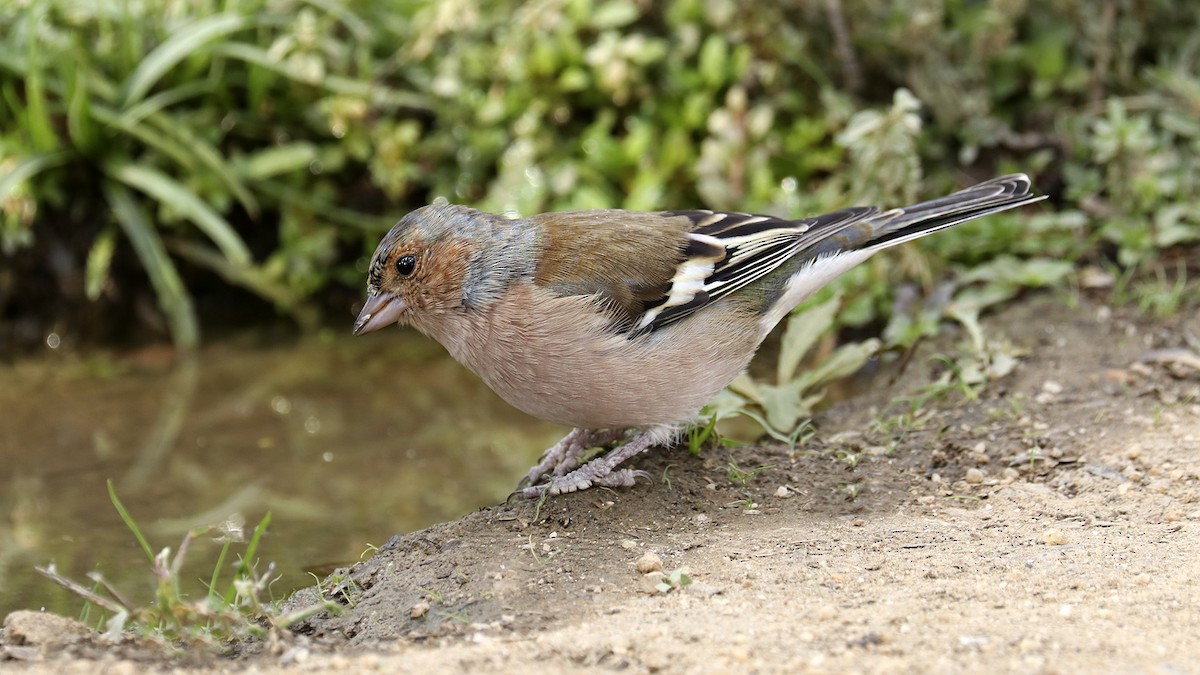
point(899, 225)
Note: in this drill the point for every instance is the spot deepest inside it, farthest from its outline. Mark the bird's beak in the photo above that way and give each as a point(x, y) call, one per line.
point(380, 311)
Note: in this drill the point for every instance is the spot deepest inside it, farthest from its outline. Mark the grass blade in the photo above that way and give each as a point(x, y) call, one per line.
point(216, 575)
point(245, 566)
point(169, 147)
point(372, 91)
point(30, 167)
point(277, 160)
point(81, 127)
point(172, 295)
point(163, 100)
point(137, 533)
point(171, 137)
point(251, 277)
point(207, 154)
point(99, 261)
point(167, 190)
point(37, 112)
point(307, 201)
point(180, 45)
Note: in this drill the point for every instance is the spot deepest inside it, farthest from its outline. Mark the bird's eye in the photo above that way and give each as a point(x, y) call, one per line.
point(405, 264)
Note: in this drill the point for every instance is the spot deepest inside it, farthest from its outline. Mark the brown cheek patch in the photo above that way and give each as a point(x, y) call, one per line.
point(442, 270)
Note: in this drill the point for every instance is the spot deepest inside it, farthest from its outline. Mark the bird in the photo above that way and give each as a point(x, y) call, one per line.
point(624, 324)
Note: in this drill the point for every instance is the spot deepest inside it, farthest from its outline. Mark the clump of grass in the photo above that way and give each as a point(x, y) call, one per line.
point(743, 477)
point(243, 611)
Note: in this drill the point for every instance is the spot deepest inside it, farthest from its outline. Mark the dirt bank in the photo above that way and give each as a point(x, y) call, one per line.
point(1051, 525)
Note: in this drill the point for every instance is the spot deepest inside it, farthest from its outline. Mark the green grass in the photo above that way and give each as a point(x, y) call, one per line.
point(243, 610)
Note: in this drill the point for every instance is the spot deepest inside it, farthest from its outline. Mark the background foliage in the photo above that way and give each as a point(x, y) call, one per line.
point(213, 148)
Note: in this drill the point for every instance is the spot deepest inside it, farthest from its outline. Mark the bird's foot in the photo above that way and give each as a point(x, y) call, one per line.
point(602, 470)
point(564, 455)
point(581, 479)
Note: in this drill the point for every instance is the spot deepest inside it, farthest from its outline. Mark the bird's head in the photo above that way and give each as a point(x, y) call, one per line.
point(419, 267)
point(439, 259)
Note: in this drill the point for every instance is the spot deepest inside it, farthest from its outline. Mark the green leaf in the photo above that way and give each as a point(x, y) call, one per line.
point(163, 100)
point(99, 261)
point(169, 191)
point(372, 91)
point(30, 167)
point(277, 160)
point(80, 125)
point(844, 361)
point(129, 522)
point(713, 57)
point(307, 201)
point(208, 155)
point(614, 14)
point(180, 153)
point(172, 295)
point(251, 276)
point(785, 405)
point(804, 328)
point(182, 44)
point(247, 562)
point(36, 110)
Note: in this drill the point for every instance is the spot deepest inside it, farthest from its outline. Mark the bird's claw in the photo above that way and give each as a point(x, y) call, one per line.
point(582, 479)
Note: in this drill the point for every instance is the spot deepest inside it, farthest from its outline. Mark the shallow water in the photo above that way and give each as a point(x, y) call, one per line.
point(345, 441)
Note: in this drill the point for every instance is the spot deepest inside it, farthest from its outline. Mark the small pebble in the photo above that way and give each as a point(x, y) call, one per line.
point(974, 476)
point(418, 610)
point(1054, 537)
point(1052, 387)
point(651, 581)
point(628, 544)
point(1132, 474)
point(783, 492)
point(649, 562)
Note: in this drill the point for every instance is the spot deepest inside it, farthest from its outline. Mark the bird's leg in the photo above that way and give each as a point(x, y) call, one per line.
point(601, 470)
point(598, 438)
point(566, 452)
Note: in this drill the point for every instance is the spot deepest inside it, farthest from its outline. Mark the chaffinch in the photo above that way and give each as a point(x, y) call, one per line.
point(624, 324)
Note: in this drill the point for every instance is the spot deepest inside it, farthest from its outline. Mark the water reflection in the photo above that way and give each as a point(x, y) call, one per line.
point(345, 441)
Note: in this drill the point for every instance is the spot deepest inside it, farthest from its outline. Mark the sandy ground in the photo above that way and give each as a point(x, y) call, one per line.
point(1050, 525)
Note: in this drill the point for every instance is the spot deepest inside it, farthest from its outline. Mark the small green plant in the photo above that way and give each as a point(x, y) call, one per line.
point(896, 426)
point(666, 478)
point(699, 434)
point(436, 595)
point(238, 613)
point(1162, 297)
point(782, 409)
point(849, 458)
point(541, 560)
point(339, 586)
point(674, 580)
point(1149, 286)
point(741, 477)
point(462, 616)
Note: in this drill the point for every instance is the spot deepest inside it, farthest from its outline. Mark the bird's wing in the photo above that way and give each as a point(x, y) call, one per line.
point(653, 269)
point(728, 251)
point(656, 268)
